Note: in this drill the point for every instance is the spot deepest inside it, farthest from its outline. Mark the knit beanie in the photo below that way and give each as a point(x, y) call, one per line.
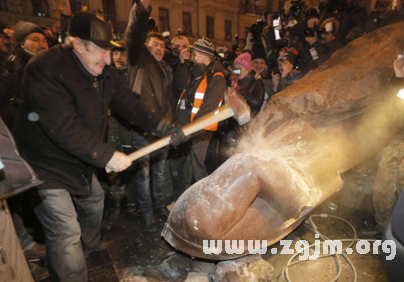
point(258, 52)
point(23, 29)
point(204, 46)
point(244, 60)
point(290, 57)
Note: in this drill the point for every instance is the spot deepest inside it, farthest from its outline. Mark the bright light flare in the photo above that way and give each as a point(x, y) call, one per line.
point(400, 94)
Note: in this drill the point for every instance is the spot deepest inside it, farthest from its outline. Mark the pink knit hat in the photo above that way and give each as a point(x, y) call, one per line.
point(244, 60)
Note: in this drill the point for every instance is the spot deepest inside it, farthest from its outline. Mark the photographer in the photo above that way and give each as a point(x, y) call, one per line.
point(288, 73)
point(250, 85)
point(180, 49)
point(174, 47)
point(351, 17)
point(255, 38)
point(293, 12)
point(261, 69)
point(312, 53)
point(329, 29)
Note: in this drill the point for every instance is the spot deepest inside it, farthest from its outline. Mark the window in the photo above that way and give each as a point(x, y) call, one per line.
point(210, 23)
point(187, 22)
point(109, 9)
point(164, 20)
point(227, 30)
point(3, 5)
point(40, 8)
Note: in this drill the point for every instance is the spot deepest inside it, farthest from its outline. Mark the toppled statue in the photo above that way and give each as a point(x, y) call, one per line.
point(298, 146)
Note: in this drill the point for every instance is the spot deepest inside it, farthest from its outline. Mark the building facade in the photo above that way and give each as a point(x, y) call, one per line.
point(219, 20)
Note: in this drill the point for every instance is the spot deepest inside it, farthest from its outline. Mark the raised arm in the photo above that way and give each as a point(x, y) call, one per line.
point(136, 30)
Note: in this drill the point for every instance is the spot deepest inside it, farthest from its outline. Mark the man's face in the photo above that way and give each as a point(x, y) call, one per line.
point(120, 58)
point(35, 43)
point(94, 58)
point(156, 48)
point(180, 44)
point(241, 44)
point(328, 37)
point(284, 65)
point(5, 46)
point(197, 57)
point(258, 65)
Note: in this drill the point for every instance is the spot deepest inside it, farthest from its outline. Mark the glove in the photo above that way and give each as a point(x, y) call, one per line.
point(163, 128)
point(178, 137)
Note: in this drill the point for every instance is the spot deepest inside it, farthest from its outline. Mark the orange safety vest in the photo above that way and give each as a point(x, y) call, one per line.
point(198, 100)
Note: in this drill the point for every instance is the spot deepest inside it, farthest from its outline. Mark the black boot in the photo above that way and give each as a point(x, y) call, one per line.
point(151, 225)
point(115, 212)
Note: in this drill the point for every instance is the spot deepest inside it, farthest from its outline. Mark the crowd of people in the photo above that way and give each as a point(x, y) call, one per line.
point(85, 104)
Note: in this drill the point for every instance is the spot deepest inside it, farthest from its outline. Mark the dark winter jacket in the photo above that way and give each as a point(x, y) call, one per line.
point(182, 73)
point(151, 79)
point(213, 94)
point(253, 90)
point(10, 88)
point(312, 56)
point(63, 120)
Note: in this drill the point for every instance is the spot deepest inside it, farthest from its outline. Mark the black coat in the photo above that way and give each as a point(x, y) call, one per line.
point(64, 116)
point(10, 85)
point(149, 78)
point(254, 93)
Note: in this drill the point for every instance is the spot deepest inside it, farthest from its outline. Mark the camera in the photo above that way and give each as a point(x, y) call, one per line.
point(256, 32)
point(297, 5)
point(310, 32)
point(166, 35)
point(180, 31)
point(232, 74)
point(151, 24)
point(221, 51)
point(231, 71)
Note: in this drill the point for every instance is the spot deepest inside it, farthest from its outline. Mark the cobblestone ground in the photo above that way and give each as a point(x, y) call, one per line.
point(132, 254)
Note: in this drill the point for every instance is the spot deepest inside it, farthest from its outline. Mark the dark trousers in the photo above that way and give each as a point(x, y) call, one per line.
point(181, 174)
point(67, 219)
point(147, 181)
point(199, 149)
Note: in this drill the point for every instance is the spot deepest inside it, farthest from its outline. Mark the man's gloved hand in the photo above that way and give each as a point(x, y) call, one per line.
point(166, 127)
point(178, 137)
point(163, 128)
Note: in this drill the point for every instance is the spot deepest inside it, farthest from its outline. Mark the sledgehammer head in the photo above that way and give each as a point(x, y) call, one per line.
point(238, 105)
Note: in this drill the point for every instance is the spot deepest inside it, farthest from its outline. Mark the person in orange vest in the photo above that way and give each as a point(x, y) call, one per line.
point(203, 94)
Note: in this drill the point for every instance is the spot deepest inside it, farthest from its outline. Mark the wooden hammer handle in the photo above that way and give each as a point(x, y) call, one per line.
point(217, 115)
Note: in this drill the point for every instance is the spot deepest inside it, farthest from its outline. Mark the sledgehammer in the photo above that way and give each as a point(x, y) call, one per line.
point(235, 106)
